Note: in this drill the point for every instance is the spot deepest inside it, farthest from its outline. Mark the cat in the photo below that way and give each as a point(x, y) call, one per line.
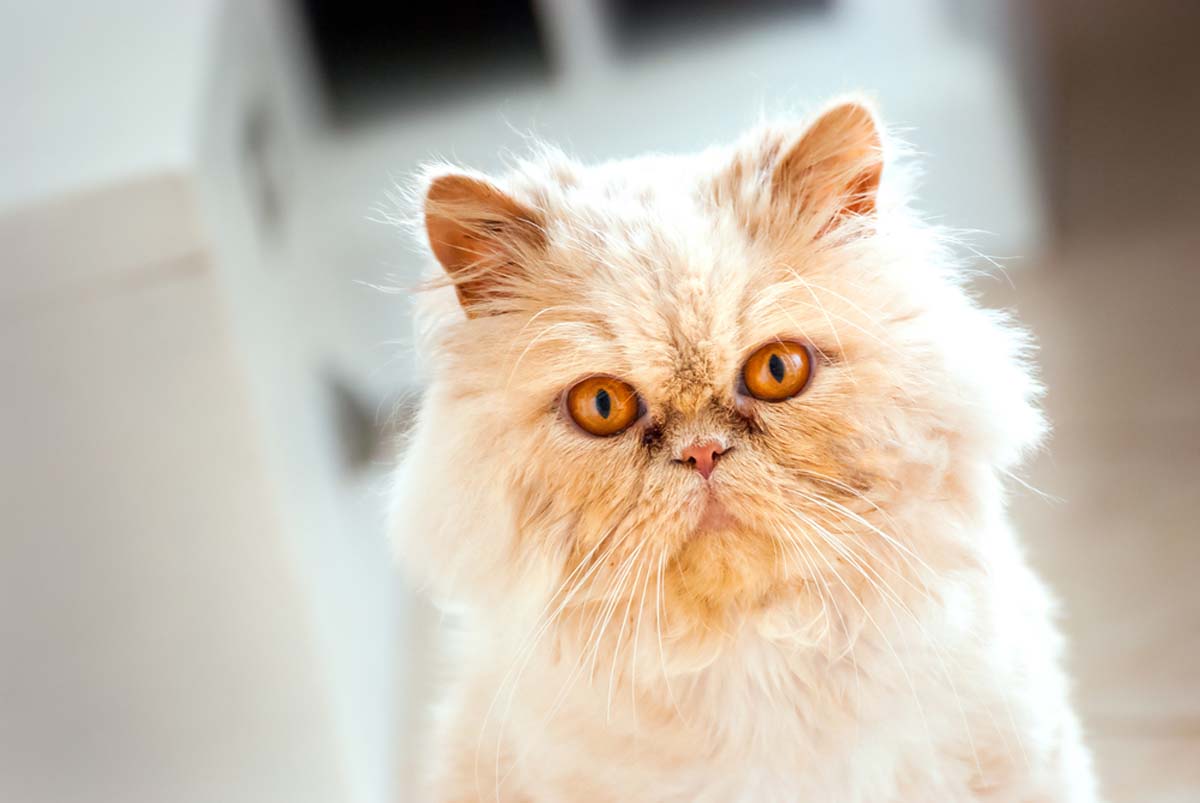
point(710, 476)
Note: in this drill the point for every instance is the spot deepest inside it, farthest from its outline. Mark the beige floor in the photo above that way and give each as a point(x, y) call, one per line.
point(1115, 305)
point(1120, 354)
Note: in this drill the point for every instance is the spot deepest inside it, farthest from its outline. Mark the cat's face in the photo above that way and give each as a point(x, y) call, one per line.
point(732, 378)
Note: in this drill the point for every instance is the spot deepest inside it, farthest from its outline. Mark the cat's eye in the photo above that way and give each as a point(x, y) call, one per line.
point(777, 371)
point(602, 405)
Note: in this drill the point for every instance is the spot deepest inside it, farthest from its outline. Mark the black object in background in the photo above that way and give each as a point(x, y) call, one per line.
point(641, 25)
point(381, 57)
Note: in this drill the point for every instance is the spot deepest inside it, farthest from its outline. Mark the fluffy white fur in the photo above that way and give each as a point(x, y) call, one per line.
point(861, 626)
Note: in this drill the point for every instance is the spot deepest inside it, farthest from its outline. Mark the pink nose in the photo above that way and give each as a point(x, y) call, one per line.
point(702, 456)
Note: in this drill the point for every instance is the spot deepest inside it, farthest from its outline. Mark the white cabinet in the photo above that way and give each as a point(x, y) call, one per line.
point(193, 606)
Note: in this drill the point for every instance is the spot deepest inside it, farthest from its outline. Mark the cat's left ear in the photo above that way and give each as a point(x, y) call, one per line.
point(833, 170)
point(483, 238)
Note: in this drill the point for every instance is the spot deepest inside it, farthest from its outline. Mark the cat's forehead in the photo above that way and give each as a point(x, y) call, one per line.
point(673, 288)
point(644, 243)
point(648, 218)
point(618, 195)
point(659, 275)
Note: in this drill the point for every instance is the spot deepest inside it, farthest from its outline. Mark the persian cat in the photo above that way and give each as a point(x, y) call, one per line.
point(710, 477)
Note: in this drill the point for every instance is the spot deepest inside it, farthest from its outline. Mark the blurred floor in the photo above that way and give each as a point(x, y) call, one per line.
point(1115, 305)
point(1118, 541)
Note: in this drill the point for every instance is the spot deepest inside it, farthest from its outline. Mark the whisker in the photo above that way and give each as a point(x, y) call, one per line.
point(661, 605)
point(890, 647)
point(620, 633)
point(888, 596)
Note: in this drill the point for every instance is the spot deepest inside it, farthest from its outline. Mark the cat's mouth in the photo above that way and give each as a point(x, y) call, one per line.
point(714, 515)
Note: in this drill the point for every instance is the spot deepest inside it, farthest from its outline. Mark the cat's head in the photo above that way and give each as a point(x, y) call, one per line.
point(722, 382)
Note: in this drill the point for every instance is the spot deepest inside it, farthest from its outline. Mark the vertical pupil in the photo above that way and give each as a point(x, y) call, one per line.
point(775, 365)
point(603, 403)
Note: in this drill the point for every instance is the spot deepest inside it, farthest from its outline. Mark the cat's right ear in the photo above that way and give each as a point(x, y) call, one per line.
point(832, 172)
point(482, 237)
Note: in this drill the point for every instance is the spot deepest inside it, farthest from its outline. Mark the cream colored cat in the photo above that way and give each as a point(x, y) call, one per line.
point(710, 472)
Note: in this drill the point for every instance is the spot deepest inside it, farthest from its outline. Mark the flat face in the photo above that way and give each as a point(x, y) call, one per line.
point(844, 378)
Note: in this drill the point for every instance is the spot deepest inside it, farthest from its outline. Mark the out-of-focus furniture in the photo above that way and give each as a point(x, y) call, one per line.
point(194, 604)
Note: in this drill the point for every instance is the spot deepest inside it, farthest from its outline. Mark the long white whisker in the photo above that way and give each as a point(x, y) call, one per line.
point(888, 644)
point(888, 596)
point(620, 634)
point(660, 606)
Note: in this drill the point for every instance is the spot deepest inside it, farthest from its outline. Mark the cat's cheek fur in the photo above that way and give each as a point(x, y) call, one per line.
point(458, 535)
point(865, 631)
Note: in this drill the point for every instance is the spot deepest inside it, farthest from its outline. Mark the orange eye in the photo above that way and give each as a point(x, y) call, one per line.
point(777, 371)
point(602, 405)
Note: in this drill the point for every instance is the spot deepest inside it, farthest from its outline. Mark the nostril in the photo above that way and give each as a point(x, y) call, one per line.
point(702, 456)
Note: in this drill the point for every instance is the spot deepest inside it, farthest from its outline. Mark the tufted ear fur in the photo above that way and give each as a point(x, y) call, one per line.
point(834, 168)
point(482, 237)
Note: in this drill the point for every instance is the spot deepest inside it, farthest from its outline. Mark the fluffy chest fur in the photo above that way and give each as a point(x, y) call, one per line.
point(948, 699)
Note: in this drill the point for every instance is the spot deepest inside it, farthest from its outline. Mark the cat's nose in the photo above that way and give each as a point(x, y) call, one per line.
point(702, 456)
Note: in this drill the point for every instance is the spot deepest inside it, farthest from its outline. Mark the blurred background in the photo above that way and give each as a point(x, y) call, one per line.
point(201, 375)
